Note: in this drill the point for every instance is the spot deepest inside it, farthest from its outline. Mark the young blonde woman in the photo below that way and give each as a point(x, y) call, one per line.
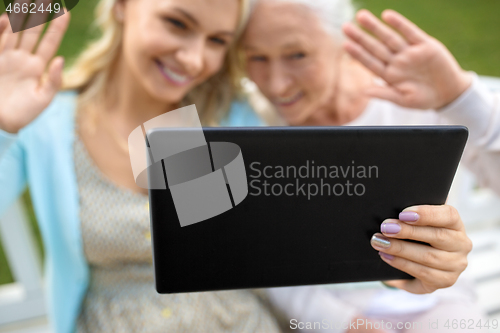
point(297, 53)
point(70, 148)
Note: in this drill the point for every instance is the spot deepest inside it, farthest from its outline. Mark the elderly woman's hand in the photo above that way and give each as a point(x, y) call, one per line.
point(434, 266)
point(419, 70)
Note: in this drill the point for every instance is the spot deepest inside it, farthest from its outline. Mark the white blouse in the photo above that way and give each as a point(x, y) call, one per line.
point(478, 108)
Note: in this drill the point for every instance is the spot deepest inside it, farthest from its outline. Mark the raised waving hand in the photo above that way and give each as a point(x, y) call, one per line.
point(419, 70)
point(29, 75)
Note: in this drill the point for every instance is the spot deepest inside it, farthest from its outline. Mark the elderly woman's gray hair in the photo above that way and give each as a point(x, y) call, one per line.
point(332, 13)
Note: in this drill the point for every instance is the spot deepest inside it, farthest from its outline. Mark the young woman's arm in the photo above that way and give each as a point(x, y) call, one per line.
point(6, 140)
point(29, 80)
point(12, 171)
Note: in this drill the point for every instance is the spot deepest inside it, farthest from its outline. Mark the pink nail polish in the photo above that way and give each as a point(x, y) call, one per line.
point(386, 256)
point(408, 216)
point(390, 228)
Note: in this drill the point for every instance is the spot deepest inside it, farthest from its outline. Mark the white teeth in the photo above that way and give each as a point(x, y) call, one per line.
point(287, 100)
point(174, 76)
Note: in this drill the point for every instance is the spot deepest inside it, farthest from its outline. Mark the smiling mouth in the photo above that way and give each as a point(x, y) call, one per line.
point(171, 76)
point(288, 100)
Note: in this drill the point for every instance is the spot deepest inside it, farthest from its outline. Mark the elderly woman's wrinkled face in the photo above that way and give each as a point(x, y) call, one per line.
point(291, 58)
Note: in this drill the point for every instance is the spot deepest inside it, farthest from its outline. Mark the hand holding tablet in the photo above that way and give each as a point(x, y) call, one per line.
point(434, 266)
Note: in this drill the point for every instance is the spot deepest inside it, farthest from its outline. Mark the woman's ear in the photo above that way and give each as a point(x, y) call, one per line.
point(119, 10)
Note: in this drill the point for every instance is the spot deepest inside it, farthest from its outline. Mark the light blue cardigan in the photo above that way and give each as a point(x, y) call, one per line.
point(41, 155)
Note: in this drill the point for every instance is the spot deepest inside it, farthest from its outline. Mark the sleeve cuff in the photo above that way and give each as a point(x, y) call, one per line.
point(473, 108)
point(6, 139)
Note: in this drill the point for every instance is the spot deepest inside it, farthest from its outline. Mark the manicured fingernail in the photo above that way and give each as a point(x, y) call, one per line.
point(390, 228)
point(386, 256)
point(380, 241)
point(408, 216)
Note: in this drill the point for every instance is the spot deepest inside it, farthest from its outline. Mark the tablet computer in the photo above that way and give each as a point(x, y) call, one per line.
point(287, 206)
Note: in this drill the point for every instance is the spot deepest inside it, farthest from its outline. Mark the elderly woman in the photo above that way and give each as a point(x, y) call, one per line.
point(391, 74)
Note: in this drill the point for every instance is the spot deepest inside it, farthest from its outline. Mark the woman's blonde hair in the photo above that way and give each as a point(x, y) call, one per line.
point(91, 71)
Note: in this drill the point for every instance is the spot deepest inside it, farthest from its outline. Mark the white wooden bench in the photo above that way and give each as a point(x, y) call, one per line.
point(22, 301)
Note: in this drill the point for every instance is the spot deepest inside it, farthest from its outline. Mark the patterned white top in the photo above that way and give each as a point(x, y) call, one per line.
point(121, 295)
